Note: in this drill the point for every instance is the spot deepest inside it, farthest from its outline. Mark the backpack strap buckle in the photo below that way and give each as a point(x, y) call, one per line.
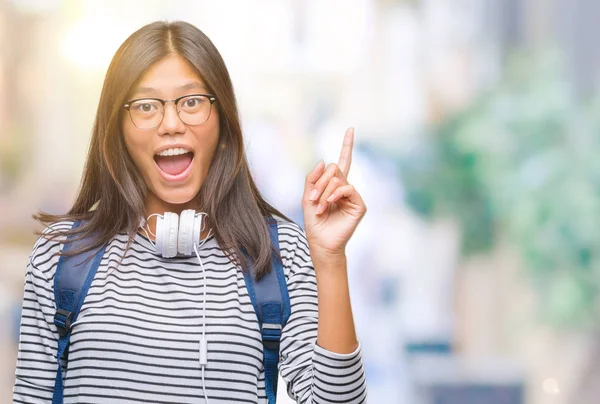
point(62, 320)
point(271, 335)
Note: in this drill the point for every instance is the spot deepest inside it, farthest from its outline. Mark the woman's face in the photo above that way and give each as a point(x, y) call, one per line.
point(171, 179)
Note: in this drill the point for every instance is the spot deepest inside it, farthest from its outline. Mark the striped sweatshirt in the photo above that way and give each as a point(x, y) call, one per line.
point(137, 336)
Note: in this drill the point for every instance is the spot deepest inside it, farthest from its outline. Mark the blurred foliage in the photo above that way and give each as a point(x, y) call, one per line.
point(522, 164)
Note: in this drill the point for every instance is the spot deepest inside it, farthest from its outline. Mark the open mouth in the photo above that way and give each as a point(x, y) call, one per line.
point(174, 162)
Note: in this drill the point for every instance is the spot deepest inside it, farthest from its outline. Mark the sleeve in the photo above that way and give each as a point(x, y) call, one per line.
point(36, 360)
point(312, 373)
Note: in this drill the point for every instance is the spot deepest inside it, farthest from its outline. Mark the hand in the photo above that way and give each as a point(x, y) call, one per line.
point(332, 207)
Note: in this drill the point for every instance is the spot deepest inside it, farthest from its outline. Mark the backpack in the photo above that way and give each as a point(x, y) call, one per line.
point(269, 296)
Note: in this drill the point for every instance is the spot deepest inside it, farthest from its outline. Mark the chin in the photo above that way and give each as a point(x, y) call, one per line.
point(179, 196)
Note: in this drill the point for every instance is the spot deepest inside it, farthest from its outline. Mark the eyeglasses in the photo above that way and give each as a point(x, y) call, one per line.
point(148, 113)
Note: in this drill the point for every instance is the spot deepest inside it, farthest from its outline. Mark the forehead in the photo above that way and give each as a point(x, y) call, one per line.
point(168, 77)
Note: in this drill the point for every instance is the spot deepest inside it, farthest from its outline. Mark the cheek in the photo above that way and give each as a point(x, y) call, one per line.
point(135, 144)
point(207, 140)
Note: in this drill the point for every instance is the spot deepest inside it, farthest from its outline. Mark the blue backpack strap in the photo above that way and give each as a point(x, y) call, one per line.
point(72, 281)
point(271, 303)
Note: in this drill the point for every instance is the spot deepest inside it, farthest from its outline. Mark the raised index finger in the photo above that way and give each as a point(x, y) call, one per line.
point(346, 153)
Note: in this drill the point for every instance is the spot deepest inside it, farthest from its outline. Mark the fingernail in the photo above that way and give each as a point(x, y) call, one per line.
point(320, 209)
point(330, 198)
point(317, 166)
point(313, 195)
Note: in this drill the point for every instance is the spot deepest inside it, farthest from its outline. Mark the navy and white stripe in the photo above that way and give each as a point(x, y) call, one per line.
point(137, 336)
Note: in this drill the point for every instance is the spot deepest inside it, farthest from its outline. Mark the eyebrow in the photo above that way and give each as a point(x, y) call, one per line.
point(185, 87)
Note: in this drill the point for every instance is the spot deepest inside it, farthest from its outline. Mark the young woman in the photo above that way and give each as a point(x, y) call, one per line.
point(167, 138)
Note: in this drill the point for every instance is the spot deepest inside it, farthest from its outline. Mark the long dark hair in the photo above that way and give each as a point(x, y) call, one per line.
point(111, 183)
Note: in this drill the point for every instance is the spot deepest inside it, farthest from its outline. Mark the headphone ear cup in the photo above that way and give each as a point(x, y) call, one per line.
point(160, 235)
point(197, 228)
point(171, 229)
point(185, 240)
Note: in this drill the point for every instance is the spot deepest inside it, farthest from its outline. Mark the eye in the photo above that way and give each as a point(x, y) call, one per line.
point(192, 103)
point(145, 107)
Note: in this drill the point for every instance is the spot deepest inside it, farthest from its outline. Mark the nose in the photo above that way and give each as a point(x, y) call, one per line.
point(171, 123)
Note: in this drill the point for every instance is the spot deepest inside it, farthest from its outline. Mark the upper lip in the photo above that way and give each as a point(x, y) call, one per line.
point(173, 146)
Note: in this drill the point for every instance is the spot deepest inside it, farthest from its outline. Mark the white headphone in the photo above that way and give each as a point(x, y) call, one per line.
point(175, 235)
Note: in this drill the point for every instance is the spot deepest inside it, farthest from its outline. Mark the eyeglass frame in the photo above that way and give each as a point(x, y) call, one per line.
point(211, 98)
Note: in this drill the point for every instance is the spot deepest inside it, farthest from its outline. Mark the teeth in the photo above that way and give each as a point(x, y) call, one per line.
point(173, 152)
